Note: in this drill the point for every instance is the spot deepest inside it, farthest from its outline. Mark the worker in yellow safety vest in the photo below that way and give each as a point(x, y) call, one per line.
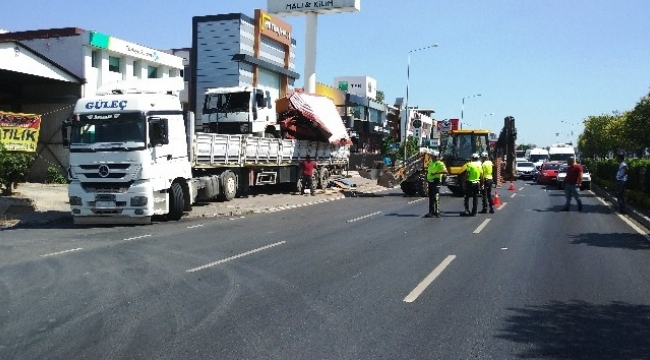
point(435, 171)
point(474, 171)
point(488, 183)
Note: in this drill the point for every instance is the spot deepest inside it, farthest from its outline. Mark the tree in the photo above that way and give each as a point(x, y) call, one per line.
point(380, 96)
point(637, 127)
point(14, 167)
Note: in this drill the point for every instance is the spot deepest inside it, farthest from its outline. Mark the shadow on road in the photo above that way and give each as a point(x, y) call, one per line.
point(586, 208)
point(614, 240)
point(580, 330)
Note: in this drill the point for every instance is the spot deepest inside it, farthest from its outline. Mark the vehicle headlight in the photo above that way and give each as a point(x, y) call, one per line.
point(139, 201)
point(75, 200)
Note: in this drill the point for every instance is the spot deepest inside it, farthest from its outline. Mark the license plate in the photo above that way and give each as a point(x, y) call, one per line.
point(105, 204)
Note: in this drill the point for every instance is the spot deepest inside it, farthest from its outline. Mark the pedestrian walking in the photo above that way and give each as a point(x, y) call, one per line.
point(435, 171)
point(572, 182)
point(308, 166)
point(488, 183)
point(621, 181)
point(474, 172)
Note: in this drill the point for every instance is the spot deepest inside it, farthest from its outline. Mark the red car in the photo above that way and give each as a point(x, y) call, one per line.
point(548, 172)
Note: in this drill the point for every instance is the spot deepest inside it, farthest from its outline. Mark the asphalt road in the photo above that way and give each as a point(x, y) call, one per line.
point(359, 278)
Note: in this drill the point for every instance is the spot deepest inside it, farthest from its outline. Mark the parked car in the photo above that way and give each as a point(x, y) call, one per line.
point(526, 170)
point(586, 177)
point(548, 172)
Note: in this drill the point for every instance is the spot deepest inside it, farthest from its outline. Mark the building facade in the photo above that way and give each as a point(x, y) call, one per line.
point(358, 85)
point(45, 72)
point(231, 50)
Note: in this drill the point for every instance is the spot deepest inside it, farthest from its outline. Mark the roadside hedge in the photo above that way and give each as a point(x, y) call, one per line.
point(603, 173)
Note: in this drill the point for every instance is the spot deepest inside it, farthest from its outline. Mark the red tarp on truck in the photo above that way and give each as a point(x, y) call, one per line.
point(312, 117)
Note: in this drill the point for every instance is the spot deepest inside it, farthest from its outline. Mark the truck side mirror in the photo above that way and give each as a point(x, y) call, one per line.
point(158, 131)
point(260, 100)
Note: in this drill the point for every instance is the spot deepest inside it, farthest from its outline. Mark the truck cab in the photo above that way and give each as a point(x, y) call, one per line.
point(240, 110)
point(128, 158)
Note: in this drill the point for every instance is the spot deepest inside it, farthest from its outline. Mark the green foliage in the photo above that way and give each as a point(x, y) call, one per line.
point(54, 176)
point(603, 173)
point(14, 167)
point(380, 96)
point(387, 145)
point(412, 147)
point(627, 132)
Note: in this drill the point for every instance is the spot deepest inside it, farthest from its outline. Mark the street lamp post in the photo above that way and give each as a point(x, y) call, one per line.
point(407, 115)
point(481, 122)
point(462, 107)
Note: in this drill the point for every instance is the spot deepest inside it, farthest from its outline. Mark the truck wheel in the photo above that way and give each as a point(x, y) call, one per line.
point(176, 202)
point(228, 186)
point(323, 177)
point(408, 188)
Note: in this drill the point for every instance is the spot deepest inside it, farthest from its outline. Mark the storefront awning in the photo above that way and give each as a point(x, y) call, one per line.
point(17, 60)
point(265, 65)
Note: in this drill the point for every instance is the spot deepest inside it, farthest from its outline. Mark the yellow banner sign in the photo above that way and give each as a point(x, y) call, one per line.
point(19, 132)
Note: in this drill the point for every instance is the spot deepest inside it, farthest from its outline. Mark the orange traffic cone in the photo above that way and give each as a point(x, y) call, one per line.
point(495, 200)
point(512, 186)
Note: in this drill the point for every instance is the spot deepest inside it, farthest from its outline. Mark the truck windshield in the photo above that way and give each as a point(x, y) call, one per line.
point(123, 131)
point(227, 103)
point(560, 157)
point(538, 158)
point(460, 147)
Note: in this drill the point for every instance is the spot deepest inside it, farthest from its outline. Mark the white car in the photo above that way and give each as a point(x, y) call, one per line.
point(526, 170)
point(586, 177)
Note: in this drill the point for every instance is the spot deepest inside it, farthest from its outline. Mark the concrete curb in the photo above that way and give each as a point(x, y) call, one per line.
point(634, 213)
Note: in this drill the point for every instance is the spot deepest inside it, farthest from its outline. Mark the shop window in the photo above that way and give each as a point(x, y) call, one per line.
point(152, 72)
point(113, 64)
point(94, 58)
point(136, 68)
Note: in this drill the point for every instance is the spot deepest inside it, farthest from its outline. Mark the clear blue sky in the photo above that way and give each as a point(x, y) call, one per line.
point(541, 61)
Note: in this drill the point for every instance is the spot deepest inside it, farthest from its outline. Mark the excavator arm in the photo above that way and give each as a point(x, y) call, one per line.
point(505, 150)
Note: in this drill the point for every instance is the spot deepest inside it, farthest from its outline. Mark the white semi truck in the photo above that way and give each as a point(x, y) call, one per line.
point(134, 154)
point(240, 110)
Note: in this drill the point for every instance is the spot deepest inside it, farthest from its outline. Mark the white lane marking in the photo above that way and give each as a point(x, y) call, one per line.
point(195, 226)
point(414, 201)
point(234, 257)
point(502, 206)
point(136, 237)
point(364, 217)
point(61, 252)
point(504, 248)
point(521, 188)
point(429, 279)
point(480, 227)
point(633, 226)
point(513, 195)
point(602, 201)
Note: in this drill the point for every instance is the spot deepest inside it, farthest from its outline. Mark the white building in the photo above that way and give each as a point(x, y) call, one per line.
point(357, 85)
point(46, 71)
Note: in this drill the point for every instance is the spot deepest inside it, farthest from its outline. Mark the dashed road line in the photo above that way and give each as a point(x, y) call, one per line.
point(415, 201)
point(513, 195)
point(137, 237)
point(429, 279)
point(61, 252)
point(202, 267)
point(480, 227)
point(195, 226)
point(364, 217)
point(502, 206)
point(521, 188)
